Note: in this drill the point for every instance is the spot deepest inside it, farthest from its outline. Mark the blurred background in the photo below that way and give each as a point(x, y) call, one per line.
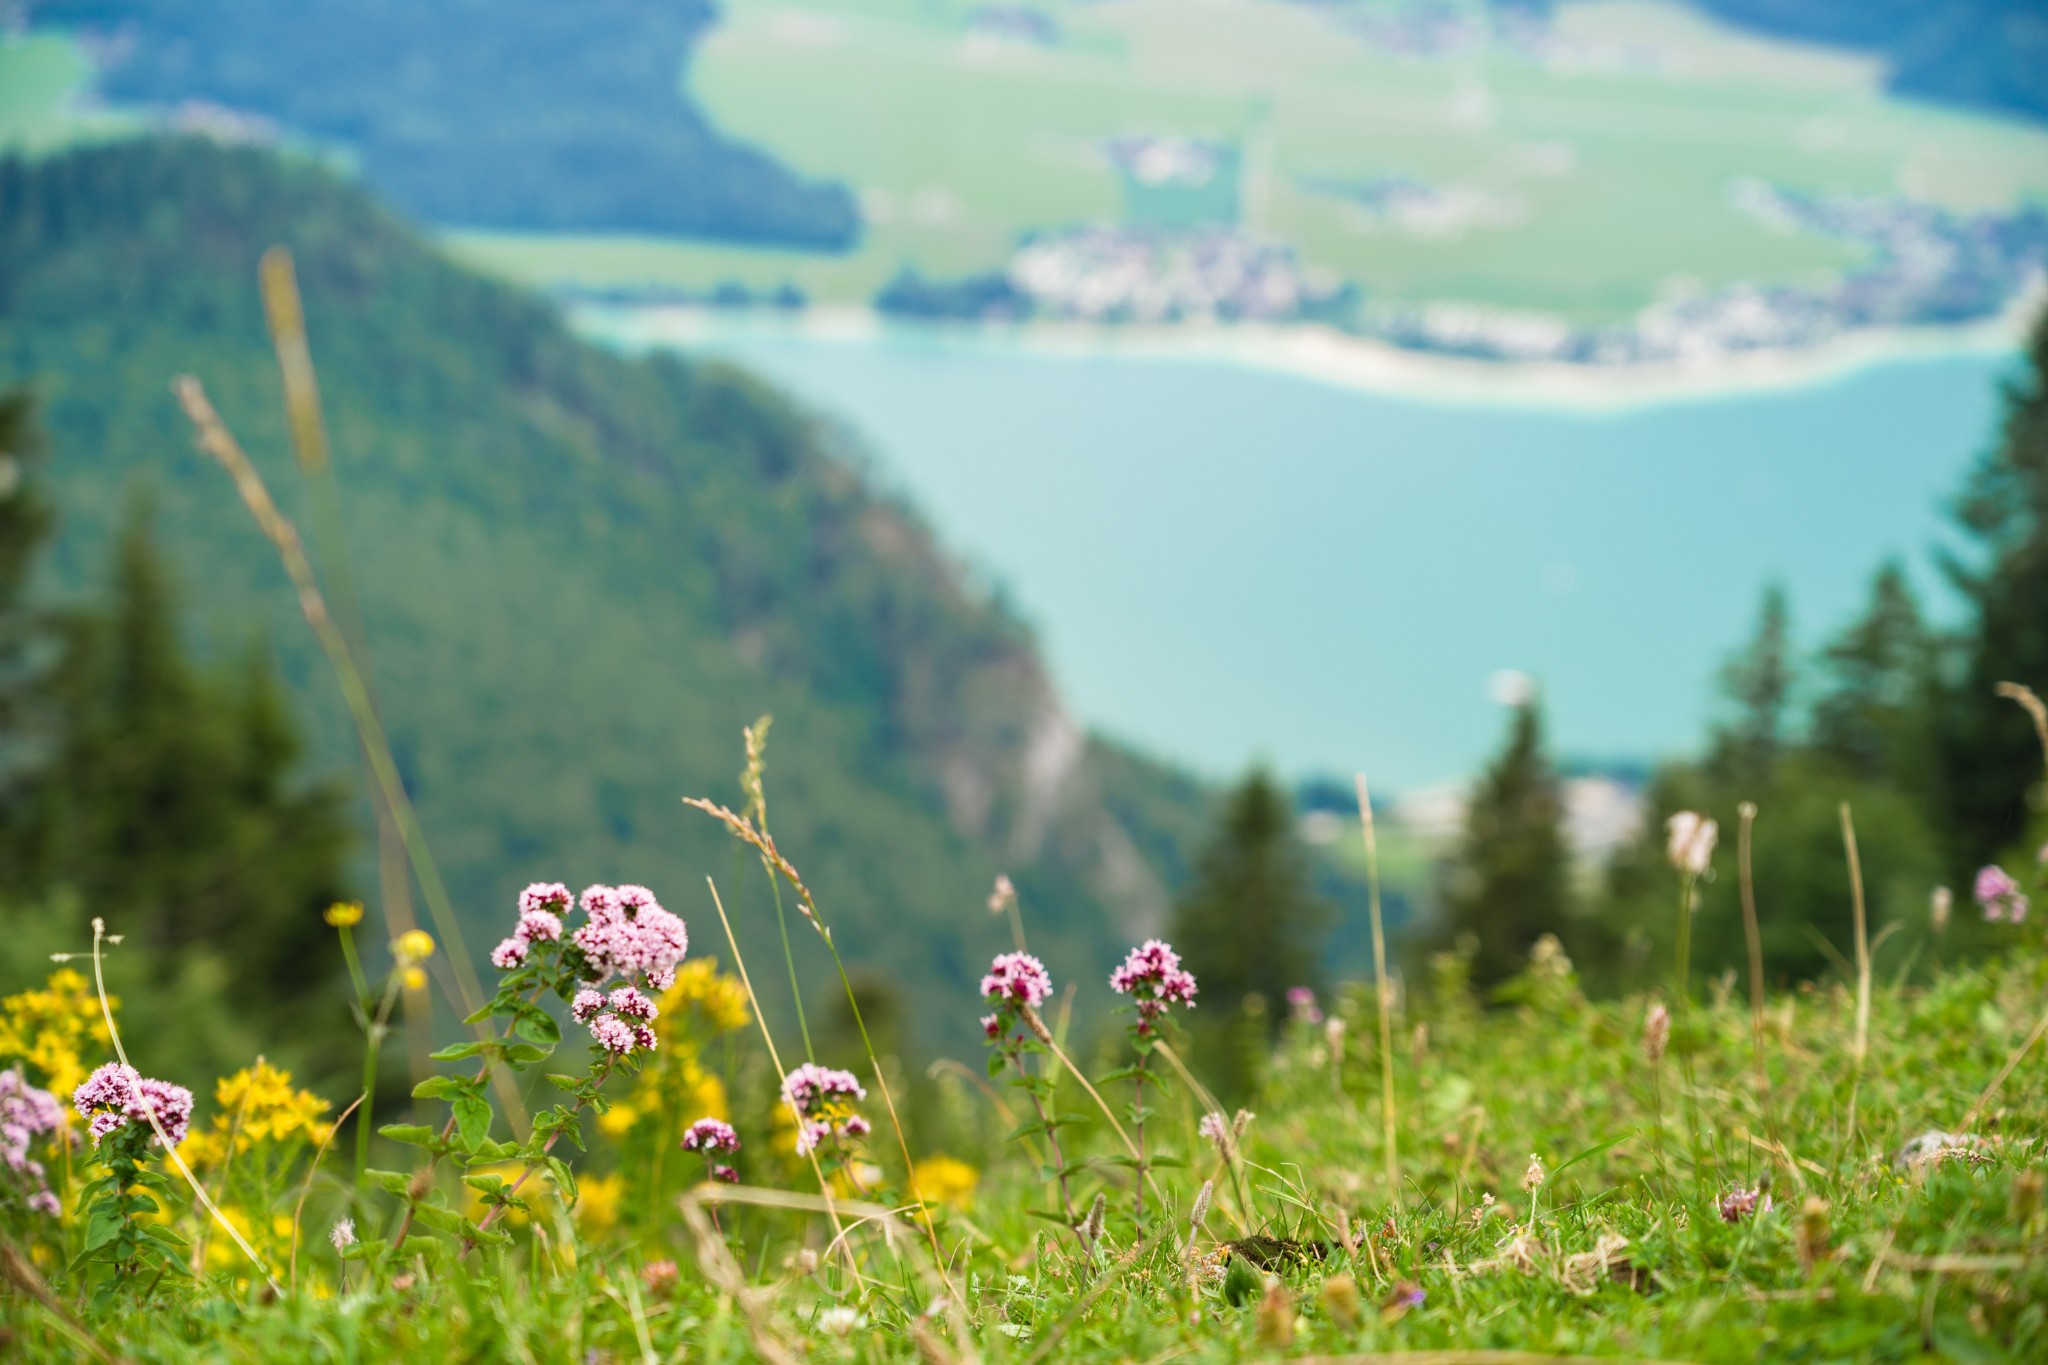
point(1094, 429)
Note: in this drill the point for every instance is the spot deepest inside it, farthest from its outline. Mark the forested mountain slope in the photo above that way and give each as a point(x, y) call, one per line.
point(498, 113)
point(581, 575)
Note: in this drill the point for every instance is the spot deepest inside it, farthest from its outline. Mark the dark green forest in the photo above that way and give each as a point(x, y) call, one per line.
point(507, 114)
point(580, 576)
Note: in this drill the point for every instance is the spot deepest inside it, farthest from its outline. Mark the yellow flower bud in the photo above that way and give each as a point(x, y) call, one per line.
point(414, 945)
point(344, 914)
point(415, 979)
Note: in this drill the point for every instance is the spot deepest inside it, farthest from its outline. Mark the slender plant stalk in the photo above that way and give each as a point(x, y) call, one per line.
point(306, 1188)
point(1754, 936)
point(744, 829)
point(213, 436)
point(1862, 1044)
point(774, 1055)
point(99, 981)
point(1680, 1019)
point(285, 312)
point(1138, 1123)
point(1388, 1113)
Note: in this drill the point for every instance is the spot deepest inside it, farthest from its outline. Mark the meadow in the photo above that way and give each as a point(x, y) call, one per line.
point(639, 1148)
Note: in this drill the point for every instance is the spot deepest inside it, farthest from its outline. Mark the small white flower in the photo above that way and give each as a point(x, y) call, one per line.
point(343, 1234)
point(1692, 841)
point(840, 1321)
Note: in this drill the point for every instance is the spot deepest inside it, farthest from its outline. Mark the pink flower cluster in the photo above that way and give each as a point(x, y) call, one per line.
point(540, 921)
point(711, 1135)
point(2000, 895)
point(26, 1111)
point(823, 1099)
point(708, 1135)
point(1014, 981)
point(117, 1095)
point(1738, 1204)
point(1301, 1003)
point(628, 934)
point(1152, 976)
point(1017, 978)
point(619, 1022)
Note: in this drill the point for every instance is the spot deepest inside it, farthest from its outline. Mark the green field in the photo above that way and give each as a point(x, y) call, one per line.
point(1608, 184)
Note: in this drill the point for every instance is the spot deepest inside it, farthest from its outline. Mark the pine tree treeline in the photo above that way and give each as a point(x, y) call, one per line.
point(145, 787)
point(1250, 927)
point(1894, 717)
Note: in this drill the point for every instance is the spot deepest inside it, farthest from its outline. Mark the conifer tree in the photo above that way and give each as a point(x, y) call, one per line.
point(1758, 683)
point(1250, 923)
point(25, 523)
point(1510, 882)
point(1875, 721)
point(167, 802)
point(1991, 760)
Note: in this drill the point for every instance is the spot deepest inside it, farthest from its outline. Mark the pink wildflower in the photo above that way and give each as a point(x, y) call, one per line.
point(1153, 978)
point(116, 1095)
point(2000, 895)
point(1301, 1002)
point(632, 1004)
point(1017, 978)
point(628, 934)
point(544, 897)
point(855, 1127)
point(1739, 1204)
point(539, 926)
point(992, 1026)
point(586, 1005)
point(612, 1034)
point(711, 1135)
point(25, 1112)
point(725, 1173)
point(509, 955)
point(811, 1085)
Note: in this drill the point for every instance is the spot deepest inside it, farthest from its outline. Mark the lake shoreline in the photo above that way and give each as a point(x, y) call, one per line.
point(1329, 357)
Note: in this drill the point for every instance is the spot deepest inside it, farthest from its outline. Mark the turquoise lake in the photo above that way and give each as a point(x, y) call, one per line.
point(1226, 564)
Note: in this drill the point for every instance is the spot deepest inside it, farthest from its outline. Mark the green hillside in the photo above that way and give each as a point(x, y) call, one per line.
point(580, 574)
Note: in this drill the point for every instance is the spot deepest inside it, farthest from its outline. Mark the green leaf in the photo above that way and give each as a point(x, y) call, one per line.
point(561, 1082)
point(438, 1087)
point(486, 1183)
point(413, 1133)
point(540, 1026)
point(163, 1234)
point(564, 1178)
point(472, 1119)
point(489, 1150)
point(391, 1182)
point(526, 1054)
point(455, 1052)
point(482, 1013)
point(442, 1220)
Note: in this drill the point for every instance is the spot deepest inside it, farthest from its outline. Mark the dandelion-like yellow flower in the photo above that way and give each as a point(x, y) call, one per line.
point(941, 1179)
point(344, 914)
point(413, 947)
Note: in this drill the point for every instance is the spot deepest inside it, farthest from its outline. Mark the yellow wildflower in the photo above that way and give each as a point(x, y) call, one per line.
point(414, 979)
point(58, 1031)
point(941, 1179)
point(413, 947)
point(701, 992)
point(344, 914)
point(257, 1104)
point(617, 1119)
point(597, 1201)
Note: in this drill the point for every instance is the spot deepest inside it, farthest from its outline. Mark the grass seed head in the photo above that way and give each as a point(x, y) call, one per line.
point(1341, 1302)
point(1276, 1316)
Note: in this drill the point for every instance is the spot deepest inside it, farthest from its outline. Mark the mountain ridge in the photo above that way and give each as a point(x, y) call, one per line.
point(580, 573)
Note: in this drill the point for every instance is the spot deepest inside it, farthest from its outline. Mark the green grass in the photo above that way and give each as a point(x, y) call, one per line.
point(1620, 1252)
